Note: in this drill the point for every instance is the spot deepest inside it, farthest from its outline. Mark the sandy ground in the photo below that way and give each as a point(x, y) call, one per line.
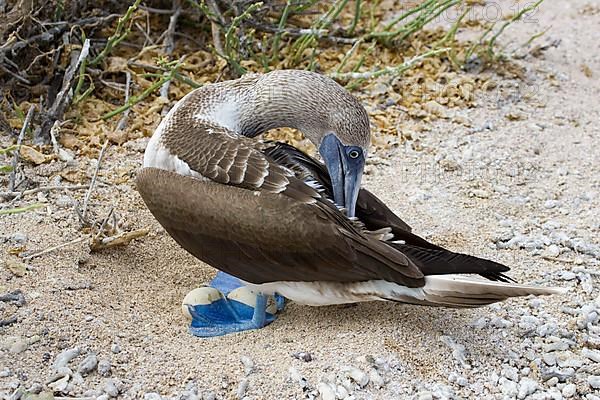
point(517, 191)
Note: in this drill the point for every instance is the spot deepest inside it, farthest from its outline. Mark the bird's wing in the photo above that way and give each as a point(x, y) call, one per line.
point(285, 230)
point(430, 258)
point(369, 209)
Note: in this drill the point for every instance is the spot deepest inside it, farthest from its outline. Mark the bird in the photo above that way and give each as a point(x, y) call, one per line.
point(277, 222)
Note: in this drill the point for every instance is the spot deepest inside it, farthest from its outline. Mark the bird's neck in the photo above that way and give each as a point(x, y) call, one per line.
point(251, 107)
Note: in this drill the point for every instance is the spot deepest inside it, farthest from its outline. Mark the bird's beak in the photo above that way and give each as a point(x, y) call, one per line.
point(344, 170)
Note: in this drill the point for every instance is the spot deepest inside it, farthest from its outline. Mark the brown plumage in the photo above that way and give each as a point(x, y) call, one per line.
point(263, 211)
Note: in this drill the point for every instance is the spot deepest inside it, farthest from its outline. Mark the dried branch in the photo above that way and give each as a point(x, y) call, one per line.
point(15, 162)
point(93, 181)
point(61, 102)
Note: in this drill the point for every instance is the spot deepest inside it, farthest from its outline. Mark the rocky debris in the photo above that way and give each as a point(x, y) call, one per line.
point(303, 355)
point(63, 359)
point(458, 351)
point(111, 387)
point(296, 376)
point(104, 367)
point(88, 364)
point(115, 348)
point(242, 388)
point(248, 364)
point(326, 391)
point(594, 381)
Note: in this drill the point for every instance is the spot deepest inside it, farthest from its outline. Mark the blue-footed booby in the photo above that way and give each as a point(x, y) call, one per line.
point(284, 223)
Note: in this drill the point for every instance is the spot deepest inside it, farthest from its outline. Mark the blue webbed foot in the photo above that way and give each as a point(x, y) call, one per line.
point(226, 306)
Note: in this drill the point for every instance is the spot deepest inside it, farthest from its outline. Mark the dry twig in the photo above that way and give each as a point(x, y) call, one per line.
point(93, 182)
point(15, 162)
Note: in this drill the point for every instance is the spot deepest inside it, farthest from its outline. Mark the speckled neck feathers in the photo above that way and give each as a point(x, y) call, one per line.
point(309, 102)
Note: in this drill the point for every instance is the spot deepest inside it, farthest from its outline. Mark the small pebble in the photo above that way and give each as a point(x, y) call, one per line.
point(88, 364)
point(248, 364)
point(115, 348)
point(303, 355)
point(356, 375)
point(594, 381)
point(326, 391)
point(209, 395)
point(152, 396)
point(65, 357)
point(242, 388)
point(508, 387)
point(104, 367)
point(527, 386)
point(552, 381)
point(458, 351)
point(593, 355)
point(110, 388)
point(569, 390)
point(426, 395)
point(376, 379)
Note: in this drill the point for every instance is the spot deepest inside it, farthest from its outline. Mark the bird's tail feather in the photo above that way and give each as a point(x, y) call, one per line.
point(455, 291)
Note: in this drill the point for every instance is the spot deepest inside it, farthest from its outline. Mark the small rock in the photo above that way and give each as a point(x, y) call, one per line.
point(104, 367)
point(552, 381)
point(556, 344)
point(569, 390)
point(242, 388)
point(498, 322)
point(111, 388)
point(341, 392)
point(248, 364)
point(551, 204)
point(208, 395)
point(60, 385)
point(480, 193)
point(376, 379)
point(15, 344)
point(326, 391)
point(63, 359)
point(152, 396)
point(115, 348)
point(511, 373)
point(425, 395)
point(17, 268)
point(529, 323)
point(527, 386)
point(303, 355)
point(547, 329)
point(508, 387)
point(551, 251)
point(36, 388)
point(561, 374)
point(356, 375)
point(18, 238)
point(594, 381)
point(295, 376)
point(593, 355)
point(5, 373)
point(64, 201)
point(88, 364)
point(458, 351)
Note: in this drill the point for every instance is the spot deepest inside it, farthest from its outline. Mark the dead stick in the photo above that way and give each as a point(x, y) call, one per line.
point(63, 97)
point(13, 173)
point(58, 246)
point(123, 121)
point(42, 189)
point(93, 182)
point(170, 43)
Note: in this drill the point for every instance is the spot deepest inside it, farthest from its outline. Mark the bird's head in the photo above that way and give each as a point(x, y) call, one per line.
point(343, 146)
point(326, 113)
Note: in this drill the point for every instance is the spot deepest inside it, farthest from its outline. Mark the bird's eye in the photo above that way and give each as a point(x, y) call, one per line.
point(354, 154)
